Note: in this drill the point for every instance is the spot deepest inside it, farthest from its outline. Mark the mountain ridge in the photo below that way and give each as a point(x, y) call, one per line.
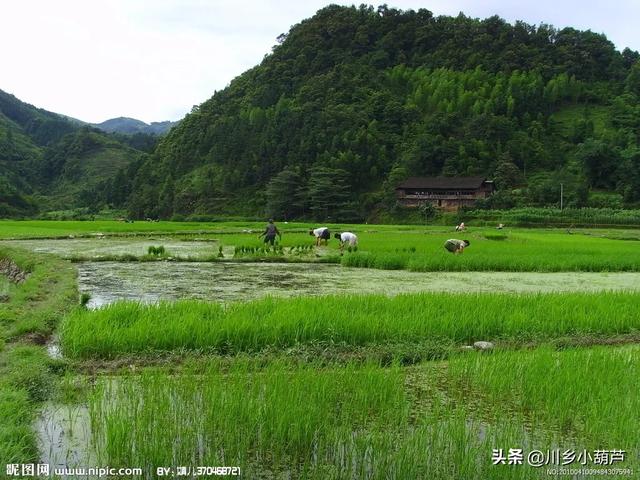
point(131, 126)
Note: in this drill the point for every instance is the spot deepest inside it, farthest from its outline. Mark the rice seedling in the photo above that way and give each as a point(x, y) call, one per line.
point(282, 418)
point(290, 421)
point(127, 327)
point(157, 251)
point(363, 421)
point(587, 395)
point(495, 236)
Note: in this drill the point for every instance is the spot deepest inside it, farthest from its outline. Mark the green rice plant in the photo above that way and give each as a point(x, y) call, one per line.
point(292, 421)
point(84, 298)
point(126, 327)
point(282, 417)
point(583, 394)
point(495, 236)
point(361, 421)
point(156, 251)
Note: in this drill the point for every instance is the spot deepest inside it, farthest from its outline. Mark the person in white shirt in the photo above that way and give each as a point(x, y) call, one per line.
point(321, 233)
point(347, 237)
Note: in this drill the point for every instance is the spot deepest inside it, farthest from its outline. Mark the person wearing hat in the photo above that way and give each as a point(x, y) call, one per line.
point(456, 246)
point(270, 233)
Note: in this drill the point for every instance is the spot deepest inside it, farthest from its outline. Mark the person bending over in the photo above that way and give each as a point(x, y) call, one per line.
point(321, 233)
point(347, 238)
point(456, 246)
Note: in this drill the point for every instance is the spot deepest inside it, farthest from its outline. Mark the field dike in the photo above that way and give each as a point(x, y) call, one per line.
point(35, 304)
point(12, 271)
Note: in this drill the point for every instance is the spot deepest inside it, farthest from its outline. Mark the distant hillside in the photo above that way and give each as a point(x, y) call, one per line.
point(353, 100)
point(131, 126)
point(48, 160)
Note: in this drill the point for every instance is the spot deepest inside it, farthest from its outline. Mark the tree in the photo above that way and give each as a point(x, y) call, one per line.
point(328, 193)
point(396, 176)
point(633, 79)
point(281, 194)
point(600, 162)
point(507, 175)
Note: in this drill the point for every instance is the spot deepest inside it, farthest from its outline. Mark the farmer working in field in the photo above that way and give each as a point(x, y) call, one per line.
point(347, 237)
point(321, 233)
point(270, 233)
point(456, 246)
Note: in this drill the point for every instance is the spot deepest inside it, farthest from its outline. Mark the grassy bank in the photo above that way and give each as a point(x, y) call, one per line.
point(126, 328)
point(26, 320)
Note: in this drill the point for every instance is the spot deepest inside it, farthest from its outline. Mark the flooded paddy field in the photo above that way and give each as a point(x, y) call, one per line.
point(108, 282)
point(355, 420)
point(111, 246)
point(374, 386)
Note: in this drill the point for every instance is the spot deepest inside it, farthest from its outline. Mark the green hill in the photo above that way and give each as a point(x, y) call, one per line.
point(131, 126)
point(352, 100)
point(50, 161)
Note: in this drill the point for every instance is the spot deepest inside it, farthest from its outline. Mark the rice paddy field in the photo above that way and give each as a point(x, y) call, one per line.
point(518, 359)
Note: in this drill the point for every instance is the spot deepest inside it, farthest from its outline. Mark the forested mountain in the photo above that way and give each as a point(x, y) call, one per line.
point(48, 161)
point(353, 100)
point(131, 126)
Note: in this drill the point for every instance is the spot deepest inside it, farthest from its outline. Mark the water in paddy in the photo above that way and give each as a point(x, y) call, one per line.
point(64, 436)
point(104, 246)
point(225, 282)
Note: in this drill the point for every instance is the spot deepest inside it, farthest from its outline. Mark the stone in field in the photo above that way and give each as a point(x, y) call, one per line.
point(483, 345)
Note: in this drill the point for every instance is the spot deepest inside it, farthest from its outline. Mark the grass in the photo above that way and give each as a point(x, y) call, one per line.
point(126, 327)
point(26, 320)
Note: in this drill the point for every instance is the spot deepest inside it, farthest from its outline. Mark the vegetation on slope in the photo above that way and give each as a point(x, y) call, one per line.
point(49, 161)
point(353, 100)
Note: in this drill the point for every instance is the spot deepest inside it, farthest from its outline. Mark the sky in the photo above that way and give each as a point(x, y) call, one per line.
point(154, 59)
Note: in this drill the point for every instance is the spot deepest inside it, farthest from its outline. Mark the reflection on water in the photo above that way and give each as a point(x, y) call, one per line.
point(226, 282)
point(64, 436)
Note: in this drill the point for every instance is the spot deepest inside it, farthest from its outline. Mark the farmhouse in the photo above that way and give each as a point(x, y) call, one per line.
point(447, 193)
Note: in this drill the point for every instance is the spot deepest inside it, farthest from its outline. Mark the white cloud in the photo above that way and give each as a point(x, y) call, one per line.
point(155, 59)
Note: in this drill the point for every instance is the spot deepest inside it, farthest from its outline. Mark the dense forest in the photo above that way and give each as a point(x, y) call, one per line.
point(50, 162)
point(355, 99)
